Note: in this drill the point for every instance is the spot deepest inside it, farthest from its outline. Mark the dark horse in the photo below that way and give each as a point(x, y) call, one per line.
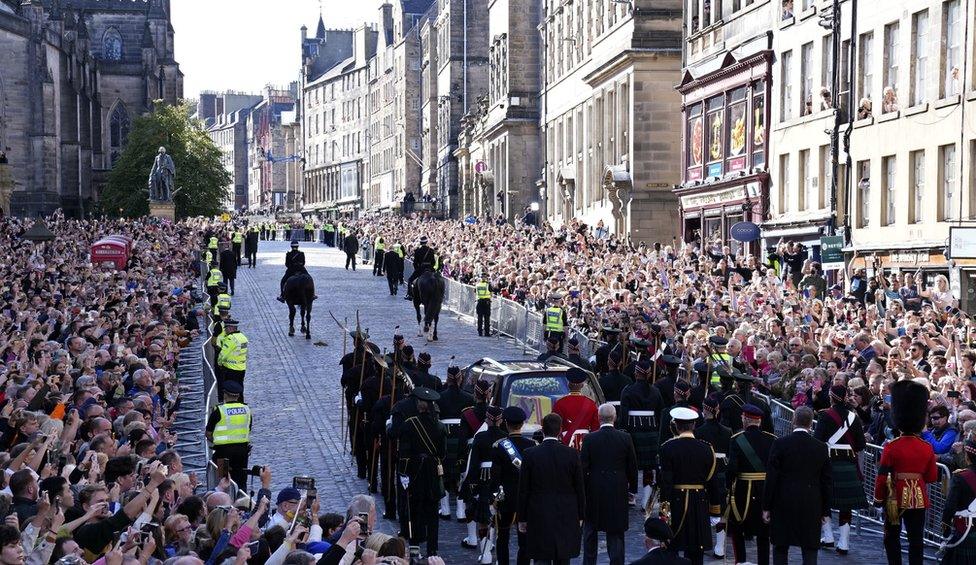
point(429, 293)
point(300, 292)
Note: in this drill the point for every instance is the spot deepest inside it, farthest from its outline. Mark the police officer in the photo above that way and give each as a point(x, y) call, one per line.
point(214, 278)
point(229, 432)
point(718, 436)
point(424, 259)
point(477, 481)
point(732, 405)
point(237, 242)
point(393, 265)
point(309, 229)
point(224, 300)
point(329, 233)
point(422, 446)
point(233, 354)
point(688, 485)
point(294, 260)
point(453, 400)
point(555, 321)
point(251, 247)
point(641, 407)
point(746, 479)
point(717, 364)
point(841, 429)
point(506, 465)
point(483, 308)
point(379, 251)
point(212, 244)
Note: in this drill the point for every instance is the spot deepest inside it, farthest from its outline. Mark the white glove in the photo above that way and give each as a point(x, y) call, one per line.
point(714, 520)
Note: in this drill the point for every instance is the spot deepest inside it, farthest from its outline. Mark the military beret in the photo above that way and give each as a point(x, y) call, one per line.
point(423, 357)
point(643, 367)
point(454, 370)
point(514, 415)
point(752, 412)
point(483, 386)
point(712, 401)
point(424, 393)
point(657, 529)
point(717, 341)
point(682, 386)
point(233, 387)
point(683, 414)
point(576, 375)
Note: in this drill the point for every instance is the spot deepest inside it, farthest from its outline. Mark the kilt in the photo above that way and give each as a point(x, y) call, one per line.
point(646, 446)
point(848, 492)
point(964, 553)
point(452, 460)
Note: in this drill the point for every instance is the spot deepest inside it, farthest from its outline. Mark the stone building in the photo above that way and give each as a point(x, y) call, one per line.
point(75, 74)
point(334, 110)
point(394, 121)
point(454, 66)
point(212, 105)
point(500, 155)
point(611, 115)
point(268, 158)
point(227, 114)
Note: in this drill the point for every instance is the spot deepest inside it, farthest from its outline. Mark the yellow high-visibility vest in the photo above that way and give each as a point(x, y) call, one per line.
point(233, 352)
point(215, 277)
point(484, 293)
point(208, 257)
point(238, 237)
point(716, 359)
point(380, 246)
point(213, 243)
point(223, 300)
point(234, 425)
point(399, 250)
point(554, 319)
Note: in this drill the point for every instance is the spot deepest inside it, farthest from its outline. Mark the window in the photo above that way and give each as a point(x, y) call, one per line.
point(864, 193)
point(950, 192)
point(759, 124)
point(784, 184)
point(888, 190)
point(889, 96)
point(112, 45)
point(786, 72)
point(917, 186)
point(865, 54)
point(806, 79)
point(826, 175)
point(827, 72)
point(920, 31)
point(808, 198)
point(738, 127)
point(714, 120)
point(118, 131)
point(952, 62)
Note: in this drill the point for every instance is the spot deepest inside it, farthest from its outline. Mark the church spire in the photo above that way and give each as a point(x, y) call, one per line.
point(320, 31)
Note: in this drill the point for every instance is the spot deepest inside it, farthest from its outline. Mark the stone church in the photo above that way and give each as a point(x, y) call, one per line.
point(73, 76)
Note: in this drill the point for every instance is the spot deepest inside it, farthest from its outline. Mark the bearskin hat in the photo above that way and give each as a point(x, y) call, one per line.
point(909, 406)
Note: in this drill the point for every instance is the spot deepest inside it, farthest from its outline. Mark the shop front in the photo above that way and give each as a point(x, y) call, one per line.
point(725, 179)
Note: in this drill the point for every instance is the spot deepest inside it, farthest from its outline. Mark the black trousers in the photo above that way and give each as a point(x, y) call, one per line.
point(236, 455)
point(424, 523)
point(615, 545)
point(351, 259)
point(739, 543)
point(914, 521)
point(378, 264)
point(483, 309)
point(230, 284)
point(212, 291)
point(506, 523)
point(236, 247)
point(781, 555)
point(558, 335)
point(392, 280)
point(233, 375)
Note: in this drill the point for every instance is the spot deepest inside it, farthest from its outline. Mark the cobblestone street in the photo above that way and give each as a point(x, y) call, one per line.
point(293, 388)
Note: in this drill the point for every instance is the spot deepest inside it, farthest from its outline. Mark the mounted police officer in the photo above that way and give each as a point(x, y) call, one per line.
point(641, 407)
point(746, 478)
point(229, 431)
point(294, 262)
point(452, 402)
point(507, 464)
point(477, 480)
point(424, 259)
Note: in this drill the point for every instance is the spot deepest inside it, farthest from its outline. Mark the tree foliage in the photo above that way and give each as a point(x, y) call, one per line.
point(202, 180)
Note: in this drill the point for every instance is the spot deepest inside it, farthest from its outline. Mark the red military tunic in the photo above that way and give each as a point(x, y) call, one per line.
point(911, 461)
point(578, 413)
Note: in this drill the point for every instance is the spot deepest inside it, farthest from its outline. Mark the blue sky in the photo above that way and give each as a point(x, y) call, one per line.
point(245, 44)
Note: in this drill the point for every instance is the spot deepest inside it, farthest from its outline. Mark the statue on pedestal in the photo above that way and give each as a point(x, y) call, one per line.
point(161, 178)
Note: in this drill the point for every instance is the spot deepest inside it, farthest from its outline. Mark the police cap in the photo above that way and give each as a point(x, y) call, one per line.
point(657, 529)
point(752, 412)
point(514, 415)
point(670, 360)
point(424, 393)
point(718, 341)
point(233, 387)
point(294, 243)
point(231, 322)
point(576, 375)
point(683, 414)
point(358, 334)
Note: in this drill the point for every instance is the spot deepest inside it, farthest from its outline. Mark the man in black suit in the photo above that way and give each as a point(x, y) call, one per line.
point(796, 499)
point(657, 536)
point(228, 267)
point(351, 246)
point(609, 469)
point(551, 498)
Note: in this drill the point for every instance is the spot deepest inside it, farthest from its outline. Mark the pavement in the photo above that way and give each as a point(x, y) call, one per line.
point(292, 384)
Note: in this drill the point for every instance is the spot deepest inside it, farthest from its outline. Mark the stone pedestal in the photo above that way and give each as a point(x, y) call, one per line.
point(163, 210)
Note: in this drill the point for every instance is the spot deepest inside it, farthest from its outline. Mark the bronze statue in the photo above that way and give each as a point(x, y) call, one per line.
point(161, 178)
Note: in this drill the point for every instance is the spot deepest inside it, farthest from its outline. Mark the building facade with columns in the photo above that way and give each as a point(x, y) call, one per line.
point(612, 140)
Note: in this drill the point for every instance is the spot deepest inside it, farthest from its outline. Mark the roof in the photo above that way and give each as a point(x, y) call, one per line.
point(553, 364)
point(415, 6)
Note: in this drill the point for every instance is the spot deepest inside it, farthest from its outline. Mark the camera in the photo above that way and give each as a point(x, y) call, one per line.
point(363, 518)
point(415, 556)
point(255, 471)
point(301, 482)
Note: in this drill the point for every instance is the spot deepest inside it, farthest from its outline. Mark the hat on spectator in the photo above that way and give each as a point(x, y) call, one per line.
point(752, 412)
point(576, 375)
point(514, 415)
point(683, 414)
point(233, 387)
point(288, 494)
point(657, 529)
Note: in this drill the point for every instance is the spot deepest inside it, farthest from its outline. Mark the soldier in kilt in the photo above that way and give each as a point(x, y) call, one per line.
point(841, 430)
point(641, 407)
point(452, 402)
point(718, 436)
point(477, 485)
point(959, 514)
point(746, 479)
